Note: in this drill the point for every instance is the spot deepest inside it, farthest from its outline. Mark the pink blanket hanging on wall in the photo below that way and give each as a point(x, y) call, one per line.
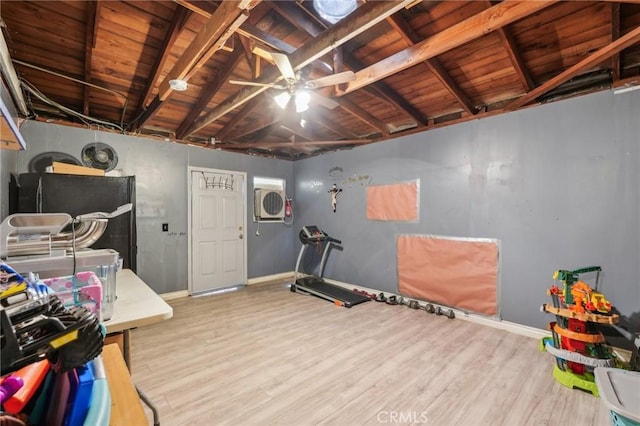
point(454, 272)
point(396, 202)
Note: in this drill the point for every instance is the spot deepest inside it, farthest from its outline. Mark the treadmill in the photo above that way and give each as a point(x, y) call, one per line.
point(312, 236)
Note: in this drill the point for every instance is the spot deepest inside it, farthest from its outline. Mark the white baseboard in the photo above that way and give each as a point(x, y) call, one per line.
point(258, 280)
point(509, 326)
point(273, 277)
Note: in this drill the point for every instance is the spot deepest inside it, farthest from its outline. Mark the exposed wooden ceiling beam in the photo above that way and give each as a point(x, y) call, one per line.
point(209, 91)
point(615, 34)
point(292, 13)
point(260, 135)
point(509, 43)
point(257, 125)
point(302, 19)
point(321, 119)
point(601, 55)
point(411, 38)
point(237, 118)
point(363, 115)
point(91, 26)
point(450, 38)
point(215, 33)
point(510, 46)
point(212, 37)
point(176, 26)
point(357, 22)
point(247, 30)
point(252, 128)
point(299, 16)
point(267, 145)
point(298, 130)
point(382, 90)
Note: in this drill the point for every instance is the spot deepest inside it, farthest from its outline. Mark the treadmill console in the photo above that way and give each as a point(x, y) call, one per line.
point(313, 231)
point(311, 234)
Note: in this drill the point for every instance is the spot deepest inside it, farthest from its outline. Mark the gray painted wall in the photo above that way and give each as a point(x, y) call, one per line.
point(558, 184)
point(161, 175)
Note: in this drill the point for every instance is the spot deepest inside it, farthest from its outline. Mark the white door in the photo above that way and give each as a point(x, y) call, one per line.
point(217, 229)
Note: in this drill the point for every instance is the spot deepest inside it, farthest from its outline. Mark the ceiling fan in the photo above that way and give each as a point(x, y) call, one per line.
point(294, 86)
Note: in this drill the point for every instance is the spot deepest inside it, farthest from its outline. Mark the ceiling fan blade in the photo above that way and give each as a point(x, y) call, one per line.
point(283, 64)
point(330, 80)
point(264, 54)
point(279, 59)
point(251, 83)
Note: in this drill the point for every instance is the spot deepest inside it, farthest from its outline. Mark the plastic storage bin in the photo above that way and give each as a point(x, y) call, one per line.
point(82, 289)
point(620, 391)
point(103, 262)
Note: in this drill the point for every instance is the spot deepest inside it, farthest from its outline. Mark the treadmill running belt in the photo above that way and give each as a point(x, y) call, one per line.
point(350, 298)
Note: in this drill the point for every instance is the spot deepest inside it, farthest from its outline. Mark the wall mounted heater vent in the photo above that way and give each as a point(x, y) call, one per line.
point(268, 204)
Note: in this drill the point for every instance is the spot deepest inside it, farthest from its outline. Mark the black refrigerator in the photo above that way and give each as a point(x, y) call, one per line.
point(76, 195)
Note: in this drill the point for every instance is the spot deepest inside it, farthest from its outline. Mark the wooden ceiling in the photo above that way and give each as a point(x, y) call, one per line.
point(418, 65)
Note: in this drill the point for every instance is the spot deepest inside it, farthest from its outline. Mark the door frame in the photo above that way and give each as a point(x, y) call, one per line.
point(190, 171)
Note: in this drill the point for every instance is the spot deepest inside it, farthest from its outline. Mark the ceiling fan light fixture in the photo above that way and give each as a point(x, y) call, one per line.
point(282, 99)
point(303, 97)
point(333, 11)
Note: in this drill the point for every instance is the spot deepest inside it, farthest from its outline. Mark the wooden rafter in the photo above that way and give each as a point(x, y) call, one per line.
point(176, 26)
point(89, 43)
point(256, 126)
point(509, 43)
point(321, 119)
point(237, 118)
point(411, 38)
point(209, 92)
point(267, 145)
point(247, 30)
point(292, 13)
point(297, 130)
point(382, 90)
point(359, 21)
point(301, 19)
point(450, 38)
point(213, 36)
point(363, 115)
point(615, 34)
point(595, 58)
point(220, 26)
point(251, 32)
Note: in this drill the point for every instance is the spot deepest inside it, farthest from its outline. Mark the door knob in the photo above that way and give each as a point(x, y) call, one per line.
point(240, 236)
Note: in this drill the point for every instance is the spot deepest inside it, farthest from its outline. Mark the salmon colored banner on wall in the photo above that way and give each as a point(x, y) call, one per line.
point(461, 273)
point(397, 202)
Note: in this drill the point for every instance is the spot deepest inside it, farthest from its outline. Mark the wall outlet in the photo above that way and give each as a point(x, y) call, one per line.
point(165, 227)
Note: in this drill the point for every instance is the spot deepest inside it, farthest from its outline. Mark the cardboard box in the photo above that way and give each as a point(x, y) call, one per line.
point(72, 169)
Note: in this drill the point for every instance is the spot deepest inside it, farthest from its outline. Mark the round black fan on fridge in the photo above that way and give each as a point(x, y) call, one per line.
point(40, 162)
point(99, 155)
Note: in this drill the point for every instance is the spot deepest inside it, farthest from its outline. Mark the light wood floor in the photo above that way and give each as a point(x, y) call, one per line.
point(266, 356)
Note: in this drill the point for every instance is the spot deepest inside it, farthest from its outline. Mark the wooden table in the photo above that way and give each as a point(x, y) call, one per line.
point(136, 305)
point(126, 409)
